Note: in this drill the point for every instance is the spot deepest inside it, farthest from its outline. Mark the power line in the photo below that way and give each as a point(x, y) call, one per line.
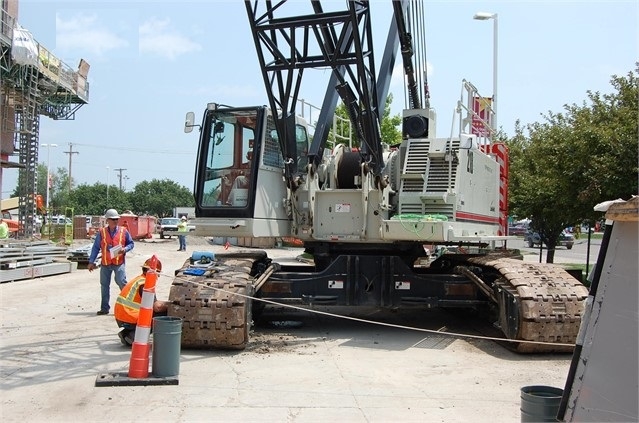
point(139, 150)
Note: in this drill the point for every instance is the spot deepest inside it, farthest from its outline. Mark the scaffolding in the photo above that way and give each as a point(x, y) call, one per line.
point(46, 87)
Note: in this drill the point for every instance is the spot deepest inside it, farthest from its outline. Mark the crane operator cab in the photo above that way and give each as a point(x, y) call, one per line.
point(238, 179)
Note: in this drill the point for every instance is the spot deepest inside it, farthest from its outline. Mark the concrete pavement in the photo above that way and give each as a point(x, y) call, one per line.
point(54, 346)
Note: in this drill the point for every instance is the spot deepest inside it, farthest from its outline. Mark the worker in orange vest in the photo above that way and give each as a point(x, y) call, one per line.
point(127, 306)
point(113, 242)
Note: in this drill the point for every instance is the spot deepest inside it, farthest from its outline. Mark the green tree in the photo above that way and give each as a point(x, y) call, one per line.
point(88, 199)
point(342, 131)
point(538, 184)
point(92, 199)
point(573, 160)
point(391, 135)
point(59, 191)
point(156, 197)
point(389, 131)
point(159, 197)
point(605, 144)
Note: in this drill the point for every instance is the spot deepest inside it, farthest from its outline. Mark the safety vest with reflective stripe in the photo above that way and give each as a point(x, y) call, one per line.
point(108, 242)
point(182, 226)
point(127, 306)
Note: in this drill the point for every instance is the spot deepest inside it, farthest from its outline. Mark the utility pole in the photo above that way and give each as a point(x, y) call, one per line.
point(120, 176)
point(48, 170)
point(108, 168)
point(70, 153)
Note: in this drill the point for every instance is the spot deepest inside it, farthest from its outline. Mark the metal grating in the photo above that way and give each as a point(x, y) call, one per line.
point(435, 342)
point(440, 176)
point(418, 207)
point(417, 157)
point(424, 175)
point(272, 155)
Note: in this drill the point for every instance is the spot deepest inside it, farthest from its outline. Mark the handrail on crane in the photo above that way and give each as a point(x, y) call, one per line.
point(475, 122)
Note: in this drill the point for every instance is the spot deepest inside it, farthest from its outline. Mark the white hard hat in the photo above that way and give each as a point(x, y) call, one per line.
point(183, 217)
point(112, 214)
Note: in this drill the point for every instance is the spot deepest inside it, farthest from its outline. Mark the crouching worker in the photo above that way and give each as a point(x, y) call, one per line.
point(127, 306)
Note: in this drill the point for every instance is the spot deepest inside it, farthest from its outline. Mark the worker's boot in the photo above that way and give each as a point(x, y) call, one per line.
point(121, 336)
point(126, 337)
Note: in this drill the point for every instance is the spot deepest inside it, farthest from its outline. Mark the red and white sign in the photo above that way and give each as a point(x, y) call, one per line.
point(481, 116)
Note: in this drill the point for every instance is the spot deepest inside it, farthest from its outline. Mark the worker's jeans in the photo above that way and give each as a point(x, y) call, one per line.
point(105, 282)
point(182, 239)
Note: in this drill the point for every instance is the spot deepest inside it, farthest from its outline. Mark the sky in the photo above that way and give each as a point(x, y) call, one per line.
point(153, 61)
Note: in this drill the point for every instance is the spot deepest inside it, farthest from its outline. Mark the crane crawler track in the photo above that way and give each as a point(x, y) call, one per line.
point(213, 314)
point(537, 302)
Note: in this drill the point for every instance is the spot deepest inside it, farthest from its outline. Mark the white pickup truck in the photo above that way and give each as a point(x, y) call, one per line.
point(168, 227)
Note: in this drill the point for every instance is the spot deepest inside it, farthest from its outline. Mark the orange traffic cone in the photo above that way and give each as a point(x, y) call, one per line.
point(139, 363)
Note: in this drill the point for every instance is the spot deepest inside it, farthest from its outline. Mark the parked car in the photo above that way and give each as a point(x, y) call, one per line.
point(60, 220)
point(566, 239)
point(168, 227)
point(518, 229)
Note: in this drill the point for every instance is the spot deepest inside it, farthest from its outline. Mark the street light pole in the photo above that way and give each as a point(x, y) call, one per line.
point(483, 16)
point(48, 170)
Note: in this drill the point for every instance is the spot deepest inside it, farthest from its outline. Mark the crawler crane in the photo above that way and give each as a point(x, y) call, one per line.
point(363, 213)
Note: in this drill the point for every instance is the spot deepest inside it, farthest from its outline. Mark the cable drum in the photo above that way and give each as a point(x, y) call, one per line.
point(348, 170)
